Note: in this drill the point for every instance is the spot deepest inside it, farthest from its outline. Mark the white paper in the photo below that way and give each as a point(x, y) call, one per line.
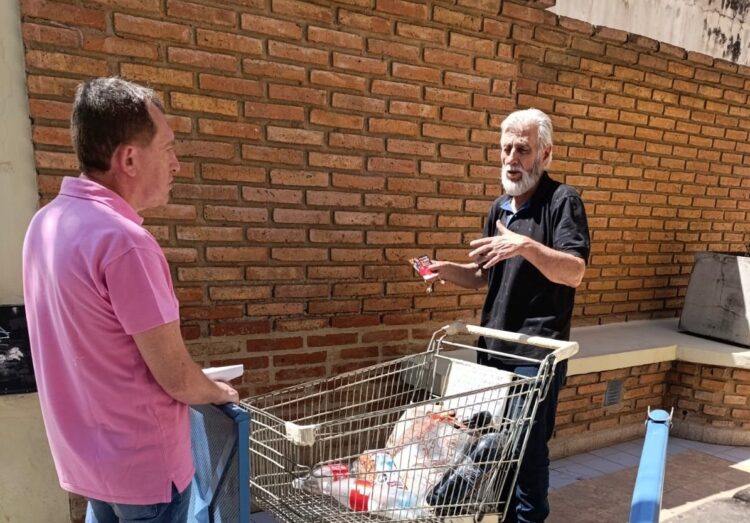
point(226, 373)
point(464, 377)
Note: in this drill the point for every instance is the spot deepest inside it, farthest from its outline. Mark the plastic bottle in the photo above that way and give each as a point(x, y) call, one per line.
point(356, 494)
point(395, 501)
point(320, 479)
point(457, 484)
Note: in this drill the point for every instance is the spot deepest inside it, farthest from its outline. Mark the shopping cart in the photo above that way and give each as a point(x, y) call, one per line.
point(426, 437)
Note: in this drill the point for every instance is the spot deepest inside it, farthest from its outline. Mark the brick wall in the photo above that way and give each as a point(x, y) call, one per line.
point(324, 143)
point(709, 403)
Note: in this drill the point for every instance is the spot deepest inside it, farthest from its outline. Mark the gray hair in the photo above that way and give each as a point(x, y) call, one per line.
point(109, 112)
point(543, 123)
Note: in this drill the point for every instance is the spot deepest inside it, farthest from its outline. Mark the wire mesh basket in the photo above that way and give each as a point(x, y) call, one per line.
point(426, 437)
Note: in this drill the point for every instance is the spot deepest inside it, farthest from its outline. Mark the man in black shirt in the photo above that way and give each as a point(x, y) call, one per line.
point(532, 257)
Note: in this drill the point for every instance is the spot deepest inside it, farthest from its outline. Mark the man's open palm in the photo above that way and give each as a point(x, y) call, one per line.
point(491, 250)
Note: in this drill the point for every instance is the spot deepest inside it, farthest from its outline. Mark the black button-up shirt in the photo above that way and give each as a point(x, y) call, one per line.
point(519, 297)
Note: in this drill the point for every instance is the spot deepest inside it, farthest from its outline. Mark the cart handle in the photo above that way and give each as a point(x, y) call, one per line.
point(561, 350)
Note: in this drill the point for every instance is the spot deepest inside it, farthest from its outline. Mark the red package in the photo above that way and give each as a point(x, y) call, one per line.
point(421, 265)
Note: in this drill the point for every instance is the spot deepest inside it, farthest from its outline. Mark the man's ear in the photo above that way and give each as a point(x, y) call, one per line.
point(123, 159)
point(547, 156)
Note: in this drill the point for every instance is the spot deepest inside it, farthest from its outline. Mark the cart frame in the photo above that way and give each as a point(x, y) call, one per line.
point(335, 420)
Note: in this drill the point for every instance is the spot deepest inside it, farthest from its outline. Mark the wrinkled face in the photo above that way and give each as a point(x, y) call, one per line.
point(521, 159)
point(156, 164)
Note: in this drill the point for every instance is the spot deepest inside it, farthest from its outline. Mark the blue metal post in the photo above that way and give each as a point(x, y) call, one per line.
point(649, 483)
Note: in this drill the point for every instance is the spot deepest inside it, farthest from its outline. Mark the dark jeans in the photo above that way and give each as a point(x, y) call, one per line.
point(529, 503)
point(175, 511)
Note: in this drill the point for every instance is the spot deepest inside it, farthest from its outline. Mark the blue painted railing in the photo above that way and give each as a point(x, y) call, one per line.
point(649, 483)
point(221, 487)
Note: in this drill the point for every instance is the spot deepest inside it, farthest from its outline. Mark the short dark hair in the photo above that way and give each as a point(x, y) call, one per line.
point(108, 112)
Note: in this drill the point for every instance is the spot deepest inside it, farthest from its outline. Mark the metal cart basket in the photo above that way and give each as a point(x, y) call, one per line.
point(426, 437)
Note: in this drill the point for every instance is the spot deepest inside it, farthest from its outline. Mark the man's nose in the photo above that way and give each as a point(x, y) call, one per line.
point(511, 157)
point(175, 167)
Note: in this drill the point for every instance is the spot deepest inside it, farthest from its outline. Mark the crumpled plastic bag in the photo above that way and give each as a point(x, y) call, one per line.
point(424, 444)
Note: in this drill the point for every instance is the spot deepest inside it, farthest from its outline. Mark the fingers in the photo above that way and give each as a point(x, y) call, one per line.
point(485, 250)
point(480, 241)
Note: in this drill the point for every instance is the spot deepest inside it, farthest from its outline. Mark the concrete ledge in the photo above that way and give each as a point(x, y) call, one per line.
point(618, 345)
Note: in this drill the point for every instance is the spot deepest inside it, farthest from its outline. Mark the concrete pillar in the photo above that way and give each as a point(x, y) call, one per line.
point(29, 491)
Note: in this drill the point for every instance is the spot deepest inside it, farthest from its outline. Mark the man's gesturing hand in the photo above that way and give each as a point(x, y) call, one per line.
point(492, 250)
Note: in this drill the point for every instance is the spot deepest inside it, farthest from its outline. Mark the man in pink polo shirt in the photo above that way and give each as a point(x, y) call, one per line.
point(113, 373)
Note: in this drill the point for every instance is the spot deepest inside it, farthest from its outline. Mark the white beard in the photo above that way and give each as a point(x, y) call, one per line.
point(528, 180)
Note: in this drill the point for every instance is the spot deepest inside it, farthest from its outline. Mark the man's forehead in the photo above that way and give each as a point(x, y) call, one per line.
point(161, 122)
point(526, 134)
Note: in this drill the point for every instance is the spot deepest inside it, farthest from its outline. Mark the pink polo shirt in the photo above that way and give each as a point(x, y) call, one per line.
point(92, 278)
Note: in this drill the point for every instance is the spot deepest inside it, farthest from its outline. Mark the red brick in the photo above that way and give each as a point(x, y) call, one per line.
point(334, 38)
point(65, 13)
point(402, 8)
point(302, 9)
point(270, 26)
point(38, 84)
point(293, 136)
point(473, 44)
point(51, 135)
point(46, 34)
point(413, 72)
point(202, 59)
point(418, 32)
point(335, 161)
point(227, 172)
point(271, 344)
point(356, 141)
point(201, 13)
point(275, 235)
point(373, 24)
point(66, 63)
point(152, 28)
point(400, 89)
point(392, 49)
point(297, 53)
point(223, 128)
point(297, 94)
point(229, 42)
point(264, 69)
point(204, 149)
point(341, 80)
point(272, 154)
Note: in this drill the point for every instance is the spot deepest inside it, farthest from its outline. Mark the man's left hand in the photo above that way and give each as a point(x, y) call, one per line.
point(491, 250)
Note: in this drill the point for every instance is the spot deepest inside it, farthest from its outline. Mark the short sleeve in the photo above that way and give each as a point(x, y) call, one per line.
point(140, 290)
point(571, 230)
point(490, 229)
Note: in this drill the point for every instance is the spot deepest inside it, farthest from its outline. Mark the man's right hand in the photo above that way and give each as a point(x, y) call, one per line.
point(467, 275)
point(228, 393)
point(170, 363)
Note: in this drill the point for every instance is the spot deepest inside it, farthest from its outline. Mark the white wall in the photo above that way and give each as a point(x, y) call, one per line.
point(18, 186)
point(704, 26)
point(29, 491)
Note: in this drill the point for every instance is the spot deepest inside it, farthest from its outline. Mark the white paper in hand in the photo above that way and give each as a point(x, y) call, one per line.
point(226, 373)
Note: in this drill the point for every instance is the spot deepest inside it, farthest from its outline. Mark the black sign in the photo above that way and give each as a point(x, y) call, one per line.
point(16, 370)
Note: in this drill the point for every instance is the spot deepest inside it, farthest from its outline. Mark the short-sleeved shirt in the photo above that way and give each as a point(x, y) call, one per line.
point(519, 297)
point(94, 277)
